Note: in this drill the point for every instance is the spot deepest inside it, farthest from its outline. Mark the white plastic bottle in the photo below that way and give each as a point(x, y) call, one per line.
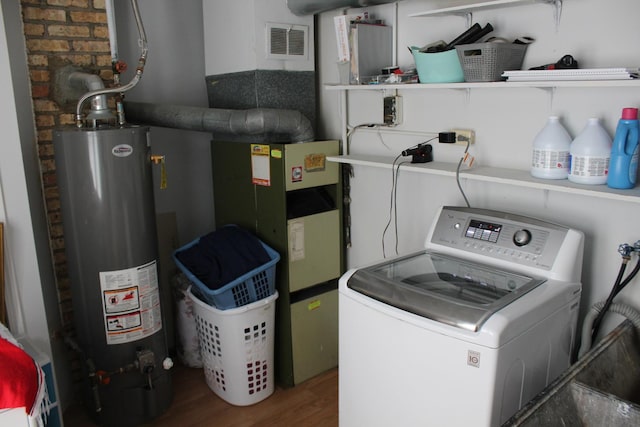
point(590, 154)
point(550, 159)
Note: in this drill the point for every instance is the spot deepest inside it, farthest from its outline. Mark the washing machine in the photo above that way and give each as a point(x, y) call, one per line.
point(464, 332)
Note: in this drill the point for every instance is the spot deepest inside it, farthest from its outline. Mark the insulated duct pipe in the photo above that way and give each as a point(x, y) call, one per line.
point(311, 7)
point(223, 123)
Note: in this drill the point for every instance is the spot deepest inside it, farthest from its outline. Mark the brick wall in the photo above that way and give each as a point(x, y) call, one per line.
point(60, 33)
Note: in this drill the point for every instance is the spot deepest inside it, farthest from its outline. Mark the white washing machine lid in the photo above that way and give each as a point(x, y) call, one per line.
point(443, 288)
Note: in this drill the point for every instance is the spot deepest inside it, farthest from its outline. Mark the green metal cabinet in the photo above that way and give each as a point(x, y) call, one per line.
point(291, 197)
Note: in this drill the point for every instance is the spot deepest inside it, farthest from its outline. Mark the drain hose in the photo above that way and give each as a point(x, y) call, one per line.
point(618, 308)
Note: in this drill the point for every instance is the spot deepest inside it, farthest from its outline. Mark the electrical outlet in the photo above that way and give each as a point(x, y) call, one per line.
point(464, 135)
point(392, 110)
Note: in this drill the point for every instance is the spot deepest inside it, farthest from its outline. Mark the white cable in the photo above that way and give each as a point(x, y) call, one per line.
point(458, 175)
point(366, 125)
point(393, 129)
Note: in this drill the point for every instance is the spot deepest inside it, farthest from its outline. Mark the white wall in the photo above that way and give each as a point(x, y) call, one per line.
point(188, 41)
point(596, 33)
point(174, 74)
point(235, 36)
point(32, 302)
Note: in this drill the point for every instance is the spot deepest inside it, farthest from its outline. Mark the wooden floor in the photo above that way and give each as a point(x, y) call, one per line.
point(312, 403)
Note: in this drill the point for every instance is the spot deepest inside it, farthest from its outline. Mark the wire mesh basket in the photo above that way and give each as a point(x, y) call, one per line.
point(485, 62)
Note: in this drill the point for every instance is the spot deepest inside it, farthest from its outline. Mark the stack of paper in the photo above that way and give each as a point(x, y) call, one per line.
point(577, 74)
point(342, 25)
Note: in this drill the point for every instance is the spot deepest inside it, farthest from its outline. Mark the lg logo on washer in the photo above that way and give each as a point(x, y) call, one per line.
point(473, 358)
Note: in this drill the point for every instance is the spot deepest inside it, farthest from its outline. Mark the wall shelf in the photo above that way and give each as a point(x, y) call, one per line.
point(468, 6)
point(515, 177)
point(488, 174)
point(632, 83)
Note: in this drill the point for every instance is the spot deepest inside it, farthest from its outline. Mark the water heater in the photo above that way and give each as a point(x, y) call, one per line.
point(106, 192)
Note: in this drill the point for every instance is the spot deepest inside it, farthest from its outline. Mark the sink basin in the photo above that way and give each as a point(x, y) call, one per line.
point(602, 388)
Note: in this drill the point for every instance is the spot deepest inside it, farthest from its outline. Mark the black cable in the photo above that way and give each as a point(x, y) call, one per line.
point(617, 287)
point(391, 201)
point(596, 322)
point(395, 205)
point(631, 275)
point(415, 149)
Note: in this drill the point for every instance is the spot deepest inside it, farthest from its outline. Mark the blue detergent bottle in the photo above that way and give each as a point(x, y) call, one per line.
point(623, 166)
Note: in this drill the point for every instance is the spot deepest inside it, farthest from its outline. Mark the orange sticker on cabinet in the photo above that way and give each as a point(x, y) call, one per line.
point(315, 162)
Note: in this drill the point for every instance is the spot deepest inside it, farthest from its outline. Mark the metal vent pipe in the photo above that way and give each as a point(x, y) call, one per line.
point(99, 105)
point(223, 123)
point(80, 119)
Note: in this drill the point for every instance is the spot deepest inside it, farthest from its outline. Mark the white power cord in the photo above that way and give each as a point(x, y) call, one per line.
point(462, 160)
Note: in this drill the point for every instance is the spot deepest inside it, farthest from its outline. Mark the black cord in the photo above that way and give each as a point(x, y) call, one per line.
point(422, 144)
point(598, 320)
point(630, 277)
point(395, 205)
point(391, 201)
point(617, 287)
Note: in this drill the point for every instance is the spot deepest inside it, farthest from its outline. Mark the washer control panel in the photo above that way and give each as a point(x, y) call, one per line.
point(510, 237)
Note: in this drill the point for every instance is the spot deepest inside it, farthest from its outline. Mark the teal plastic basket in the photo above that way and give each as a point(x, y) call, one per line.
point(255, 285)
point(438, 67)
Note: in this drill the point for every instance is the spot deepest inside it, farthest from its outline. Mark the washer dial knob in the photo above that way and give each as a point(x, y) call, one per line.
point(522, 237)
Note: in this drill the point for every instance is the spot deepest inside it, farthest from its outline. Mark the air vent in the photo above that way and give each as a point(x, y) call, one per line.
point(287, 41)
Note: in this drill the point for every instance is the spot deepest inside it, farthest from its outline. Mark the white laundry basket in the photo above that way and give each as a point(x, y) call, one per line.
point(237, 349)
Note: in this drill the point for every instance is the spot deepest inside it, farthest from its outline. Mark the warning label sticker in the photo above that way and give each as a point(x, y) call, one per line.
point(296, 174)
point(131, 303)
point(260, 165)
point(121, 300)
point(124, 322)
point(296, 239)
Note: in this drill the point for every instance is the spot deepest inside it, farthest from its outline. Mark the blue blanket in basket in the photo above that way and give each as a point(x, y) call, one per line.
point(223, 255)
